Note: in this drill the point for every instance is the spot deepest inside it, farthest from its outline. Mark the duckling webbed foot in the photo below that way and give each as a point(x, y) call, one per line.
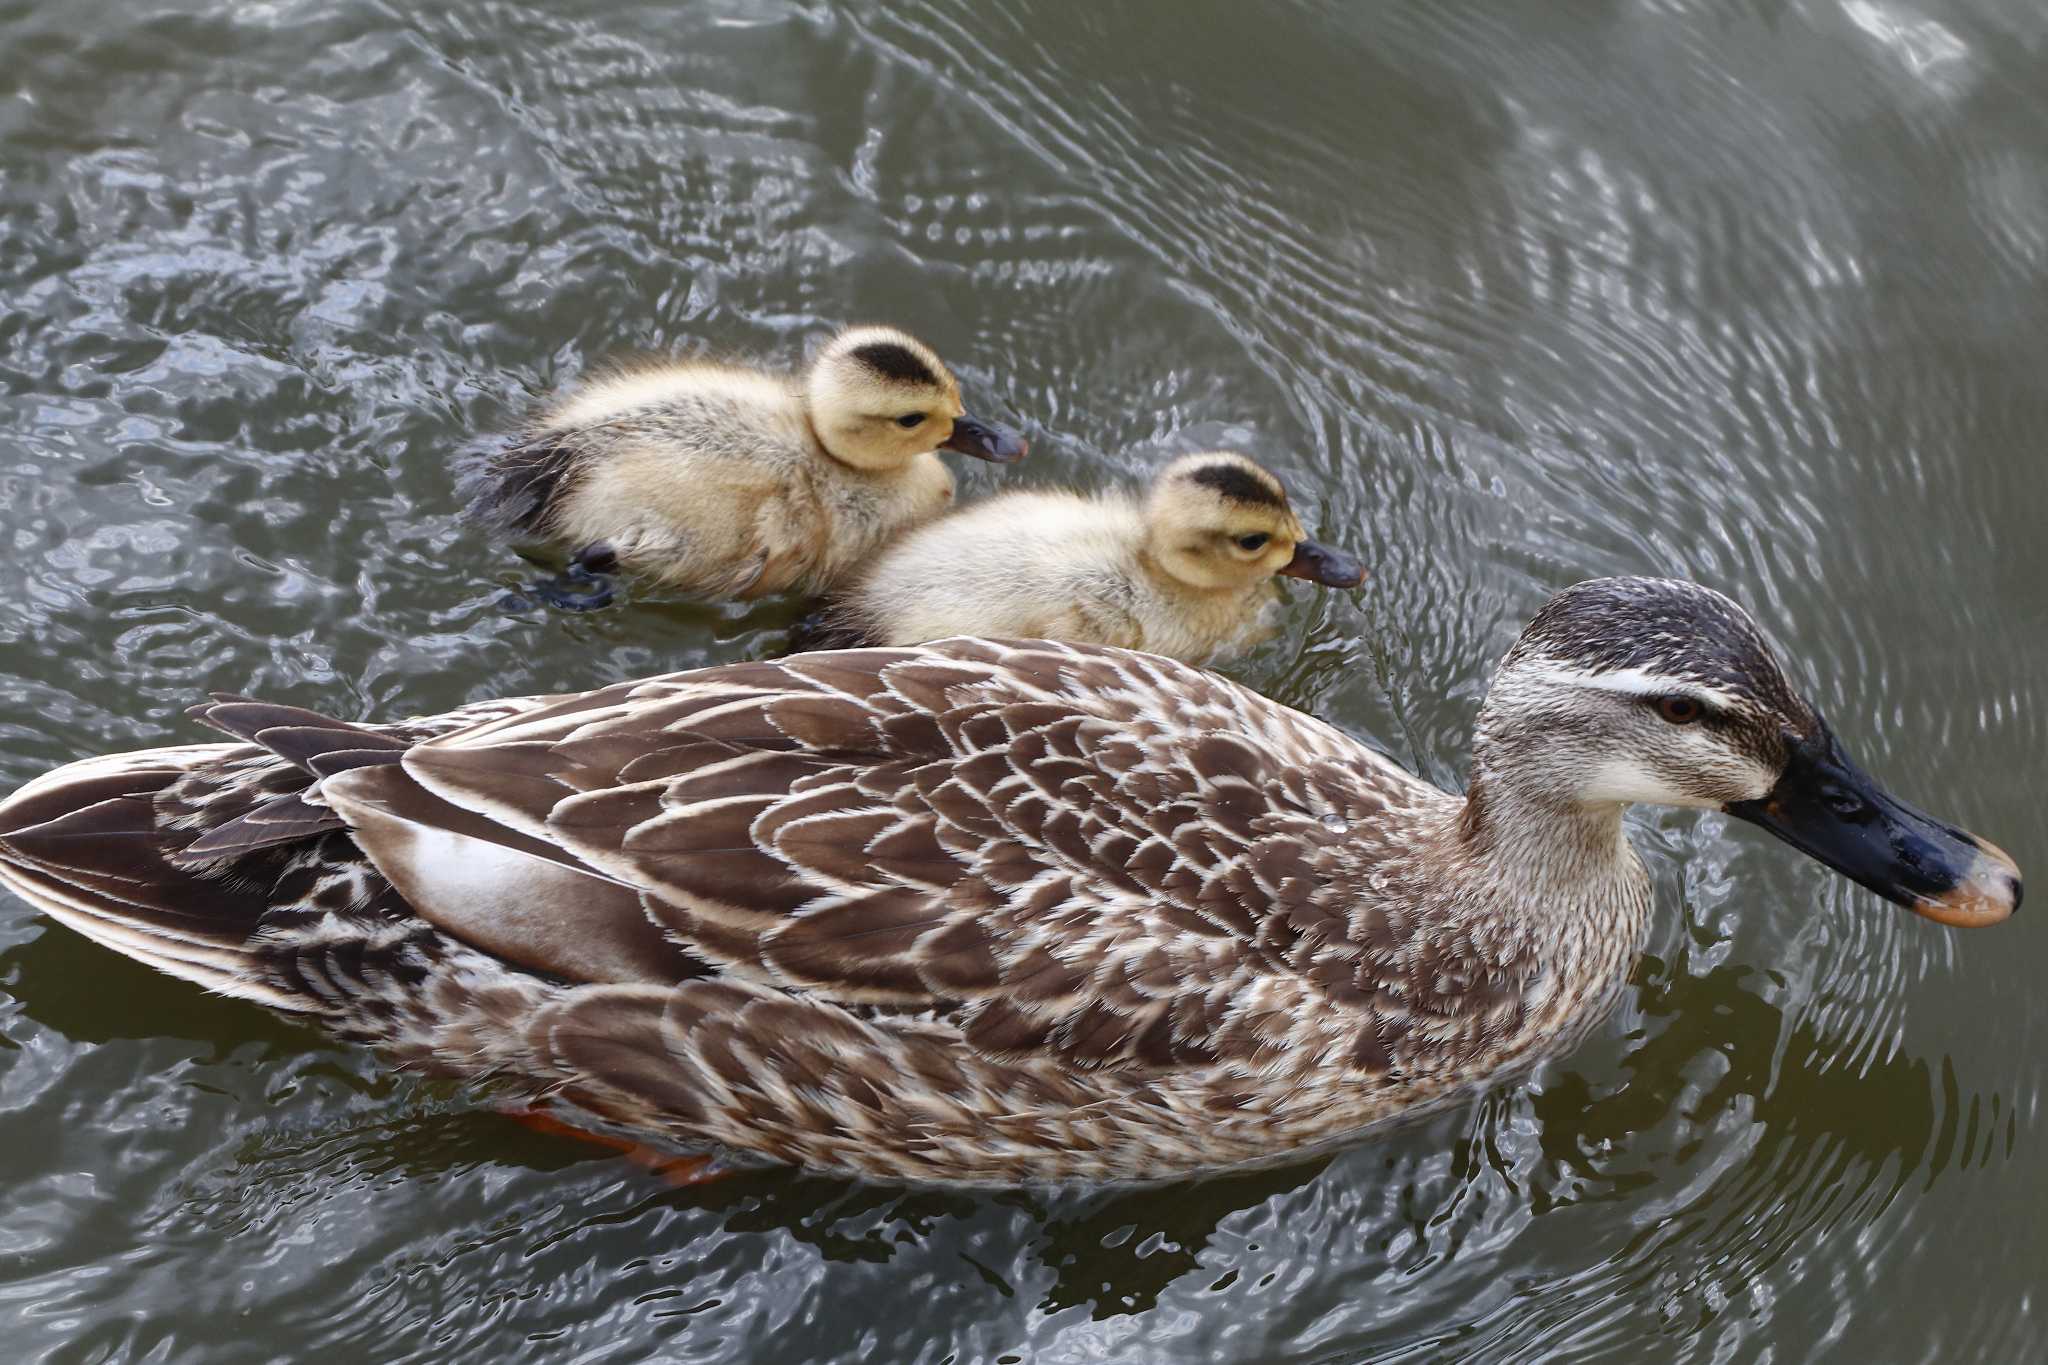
point(583, 586)
point(823, 627)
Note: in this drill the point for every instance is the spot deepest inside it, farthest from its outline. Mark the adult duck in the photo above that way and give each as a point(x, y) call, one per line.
point(983, 911)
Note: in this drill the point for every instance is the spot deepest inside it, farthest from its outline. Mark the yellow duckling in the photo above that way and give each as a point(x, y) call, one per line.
point(1186, 572)
point(726, 481)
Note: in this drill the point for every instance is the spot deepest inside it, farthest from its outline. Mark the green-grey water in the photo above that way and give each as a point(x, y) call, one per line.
point(1512, 295)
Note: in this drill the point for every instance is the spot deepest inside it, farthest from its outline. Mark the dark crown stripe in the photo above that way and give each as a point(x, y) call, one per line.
point(893, 360)
point(1238, 484)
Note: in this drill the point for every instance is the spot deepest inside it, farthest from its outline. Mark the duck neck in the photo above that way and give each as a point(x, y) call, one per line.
point(1522, 822)
point(1545, 879)
point(824, 446)
point(1169, 585)
point(1538, 839)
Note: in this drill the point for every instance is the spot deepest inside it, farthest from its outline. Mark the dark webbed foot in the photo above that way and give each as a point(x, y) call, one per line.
point(574, 589)
point(596, 558)
point(824, 627)
point(583, 586)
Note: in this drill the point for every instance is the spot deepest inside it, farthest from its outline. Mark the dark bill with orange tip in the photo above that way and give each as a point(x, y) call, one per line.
point(1321, 564)
point(1831, 810)
point(985, 441)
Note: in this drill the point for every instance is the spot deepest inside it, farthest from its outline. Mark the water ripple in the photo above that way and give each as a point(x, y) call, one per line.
point(1511, 296)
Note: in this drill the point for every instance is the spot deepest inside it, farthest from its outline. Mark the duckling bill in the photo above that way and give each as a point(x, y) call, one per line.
point(1321, 564)
point(726, 481)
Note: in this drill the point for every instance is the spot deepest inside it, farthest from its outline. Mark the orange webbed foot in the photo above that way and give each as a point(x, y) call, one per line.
point(679, 1171)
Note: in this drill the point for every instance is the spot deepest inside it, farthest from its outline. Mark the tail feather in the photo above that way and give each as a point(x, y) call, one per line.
point(114, 853)
point(301, 744)
point(174, 856)
point(244, 717)
point(291, 732)
point(513, 487)
point(221, 967)
point(74, 786)
point(102, 867)
point(284, 820)
point(222, 864)
point(316, 745)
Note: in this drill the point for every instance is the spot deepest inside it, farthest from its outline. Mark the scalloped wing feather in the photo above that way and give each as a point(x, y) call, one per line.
point(1064, 852)
point(981, 910)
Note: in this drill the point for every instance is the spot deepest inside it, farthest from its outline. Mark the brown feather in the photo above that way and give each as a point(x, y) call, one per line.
point(982, 910)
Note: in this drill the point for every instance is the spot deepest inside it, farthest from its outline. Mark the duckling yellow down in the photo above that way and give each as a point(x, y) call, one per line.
point(726, 481)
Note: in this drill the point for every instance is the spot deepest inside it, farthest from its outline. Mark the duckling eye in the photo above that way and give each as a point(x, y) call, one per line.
point(1255, 541)
point(909, 420)
point(1679, 710)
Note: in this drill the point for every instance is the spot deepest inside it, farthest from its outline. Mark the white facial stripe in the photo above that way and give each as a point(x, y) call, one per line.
point(1624, 780)
point(1634, 682)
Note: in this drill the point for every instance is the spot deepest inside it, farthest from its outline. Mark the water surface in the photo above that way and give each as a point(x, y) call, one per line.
point(1512, 295)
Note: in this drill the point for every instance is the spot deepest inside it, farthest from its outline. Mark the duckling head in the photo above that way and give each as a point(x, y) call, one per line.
point(879, 398)
point(1221, 521)
point(1664, 692)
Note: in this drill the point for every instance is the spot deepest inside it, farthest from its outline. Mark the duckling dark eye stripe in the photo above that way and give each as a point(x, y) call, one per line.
point(894, 360)
point(1238, 484)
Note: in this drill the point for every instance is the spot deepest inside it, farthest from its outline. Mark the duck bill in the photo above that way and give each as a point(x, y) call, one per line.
point(1321, 564)
point(1831, 810)
point(985, 441)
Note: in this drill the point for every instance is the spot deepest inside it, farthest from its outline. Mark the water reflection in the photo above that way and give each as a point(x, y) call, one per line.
point(1725, 1133)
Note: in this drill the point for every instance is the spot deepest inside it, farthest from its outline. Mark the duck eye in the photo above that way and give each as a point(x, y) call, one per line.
point(1679, 710)
point(1255, 541)
point(910, 419)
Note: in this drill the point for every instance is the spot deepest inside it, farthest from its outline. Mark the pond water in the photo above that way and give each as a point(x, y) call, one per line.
point(1513, 295)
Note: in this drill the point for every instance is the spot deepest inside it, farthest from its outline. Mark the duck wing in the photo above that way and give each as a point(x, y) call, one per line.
point(1081, 853)
point(980, 910)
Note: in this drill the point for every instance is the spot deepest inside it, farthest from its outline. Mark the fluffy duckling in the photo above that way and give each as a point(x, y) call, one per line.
point(726, 481)
point(1186, 572)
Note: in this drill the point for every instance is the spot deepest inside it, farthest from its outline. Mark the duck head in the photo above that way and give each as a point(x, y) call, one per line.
point(879, 398)
point(1219, 520)
point(1659, 691)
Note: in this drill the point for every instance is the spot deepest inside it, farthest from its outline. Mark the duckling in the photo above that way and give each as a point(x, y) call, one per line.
point(726, 481)
point(1186, 573)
